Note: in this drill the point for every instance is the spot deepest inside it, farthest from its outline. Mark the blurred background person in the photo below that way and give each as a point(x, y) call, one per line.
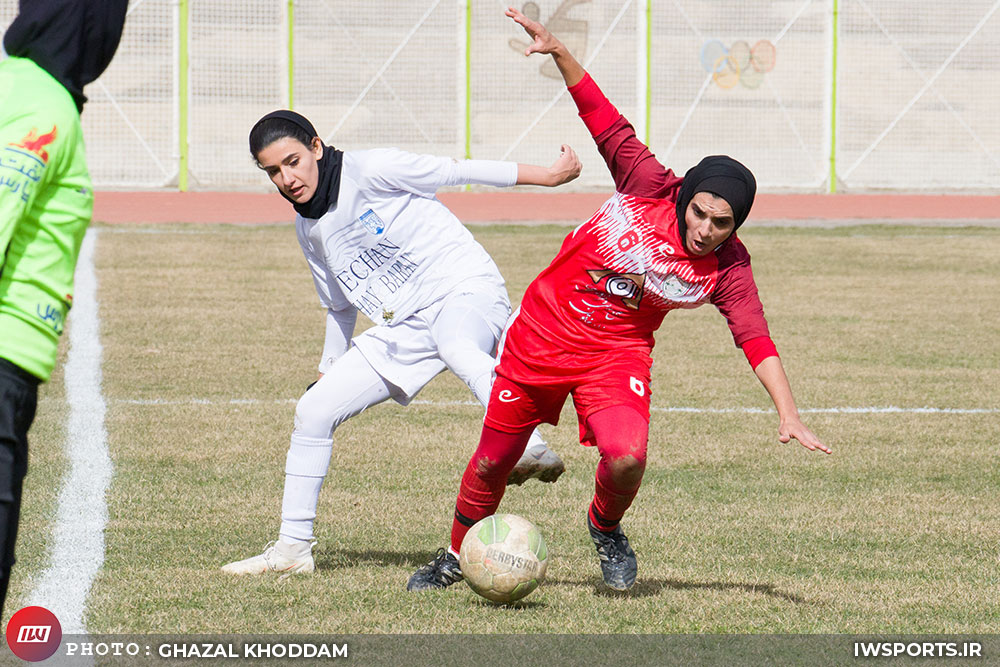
point(51, 51)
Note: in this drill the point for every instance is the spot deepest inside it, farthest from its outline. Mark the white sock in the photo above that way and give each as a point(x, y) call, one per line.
point(535, 440)
point(294, 545)
point(305, 468)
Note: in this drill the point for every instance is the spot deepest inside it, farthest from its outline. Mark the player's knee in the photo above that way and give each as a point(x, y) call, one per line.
point(486, 468)
point(483, 466)
point(494, 466)
point(627, 470)
point(314, 419)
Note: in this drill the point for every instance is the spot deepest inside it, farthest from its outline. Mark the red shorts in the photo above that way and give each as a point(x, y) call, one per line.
point(524, 396)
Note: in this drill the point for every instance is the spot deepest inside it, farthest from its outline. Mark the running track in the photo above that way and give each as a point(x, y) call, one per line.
point(472, 207)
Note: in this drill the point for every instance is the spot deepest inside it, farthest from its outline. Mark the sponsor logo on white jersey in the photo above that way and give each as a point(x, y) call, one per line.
point(372, 222)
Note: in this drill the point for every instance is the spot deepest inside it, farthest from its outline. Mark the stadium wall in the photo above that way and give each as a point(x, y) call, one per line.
point(815, 96)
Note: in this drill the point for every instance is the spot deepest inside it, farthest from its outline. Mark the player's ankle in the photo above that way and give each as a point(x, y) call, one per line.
point(293, 541)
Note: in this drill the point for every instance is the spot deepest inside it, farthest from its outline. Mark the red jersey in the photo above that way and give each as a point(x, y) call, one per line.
point(618, 274)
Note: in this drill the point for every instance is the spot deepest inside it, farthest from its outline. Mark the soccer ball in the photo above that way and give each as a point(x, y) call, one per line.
point(503, 557)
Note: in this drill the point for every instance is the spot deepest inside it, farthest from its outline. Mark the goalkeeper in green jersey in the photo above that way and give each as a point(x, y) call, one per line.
point(51, 51)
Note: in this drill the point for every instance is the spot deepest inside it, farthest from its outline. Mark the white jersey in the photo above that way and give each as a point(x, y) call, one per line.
point(389, 247)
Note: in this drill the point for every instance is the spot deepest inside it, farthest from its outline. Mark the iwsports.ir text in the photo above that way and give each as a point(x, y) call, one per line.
point(918, 649)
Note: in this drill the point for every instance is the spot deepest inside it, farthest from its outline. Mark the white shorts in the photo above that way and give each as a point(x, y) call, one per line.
point(405, 353)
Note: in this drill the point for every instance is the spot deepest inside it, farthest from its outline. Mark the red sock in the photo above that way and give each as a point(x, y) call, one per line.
point(485, 479)
point(621, 434)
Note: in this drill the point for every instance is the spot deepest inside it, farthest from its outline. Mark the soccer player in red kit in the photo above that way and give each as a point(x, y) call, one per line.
point(585, 326)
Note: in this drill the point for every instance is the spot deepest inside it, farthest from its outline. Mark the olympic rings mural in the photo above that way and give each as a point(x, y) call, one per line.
point(738, 64)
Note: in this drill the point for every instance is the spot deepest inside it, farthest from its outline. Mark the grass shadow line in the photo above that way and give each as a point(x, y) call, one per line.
point(650, 587)
point(343, 558)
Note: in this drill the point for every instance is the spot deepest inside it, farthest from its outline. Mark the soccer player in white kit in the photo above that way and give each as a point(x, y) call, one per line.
point(378, 241)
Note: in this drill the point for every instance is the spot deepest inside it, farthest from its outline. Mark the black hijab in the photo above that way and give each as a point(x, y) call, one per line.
point(328, 188)
point(73, 40)
point(723, 176)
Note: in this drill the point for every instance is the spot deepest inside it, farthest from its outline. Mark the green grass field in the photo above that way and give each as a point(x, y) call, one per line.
point(211, 333)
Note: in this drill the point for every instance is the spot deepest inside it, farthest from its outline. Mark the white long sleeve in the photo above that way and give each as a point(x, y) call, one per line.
point(486, 172)
point(389, 169)
point(339, 329)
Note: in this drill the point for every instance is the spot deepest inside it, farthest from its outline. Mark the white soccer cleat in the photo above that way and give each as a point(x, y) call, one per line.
point(278, 557)
point(539, 462)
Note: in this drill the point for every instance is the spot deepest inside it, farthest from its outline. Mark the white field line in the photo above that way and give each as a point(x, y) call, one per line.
point(849, 410)
point(78, 535)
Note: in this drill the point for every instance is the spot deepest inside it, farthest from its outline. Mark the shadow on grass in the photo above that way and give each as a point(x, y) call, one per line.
point(519, 604)
point(341, 558)
point(649, 587)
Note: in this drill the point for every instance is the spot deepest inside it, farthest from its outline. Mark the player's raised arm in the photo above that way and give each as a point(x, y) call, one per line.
point(634, 168)
point(545, 42)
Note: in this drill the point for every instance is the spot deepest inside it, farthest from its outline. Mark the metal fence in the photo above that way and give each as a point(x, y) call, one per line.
point(813, 95)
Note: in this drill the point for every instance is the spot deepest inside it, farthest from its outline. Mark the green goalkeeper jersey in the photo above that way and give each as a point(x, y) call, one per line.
point(46, 203)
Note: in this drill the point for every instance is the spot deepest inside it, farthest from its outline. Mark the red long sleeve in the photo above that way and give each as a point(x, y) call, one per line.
point(633, 166)
point(596, 110)
point(758, 349)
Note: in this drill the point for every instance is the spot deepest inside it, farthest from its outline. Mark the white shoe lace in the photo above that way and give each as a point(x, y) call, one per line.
point(268, 554)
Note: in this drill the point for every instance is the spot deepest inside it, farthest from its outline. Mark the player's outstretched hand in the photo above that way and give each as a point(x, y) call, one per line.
point(543, 40)
point(566, 167)
point(794, 428)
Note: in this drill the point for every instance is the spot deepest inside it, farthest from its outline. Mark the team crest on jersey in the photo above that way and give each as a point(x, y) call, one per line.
point(372, 222)
point(627, 286)
point(674, 287)
point(36, 143)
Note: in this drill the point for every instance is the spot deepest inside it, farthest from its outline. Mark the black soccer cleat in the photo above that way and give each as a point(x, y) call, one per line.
point(441, 572)
point(617, 558)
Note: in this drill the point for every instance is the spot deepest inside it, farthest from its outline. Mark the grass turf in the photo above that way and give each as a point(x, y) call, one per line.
point(211, 333)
